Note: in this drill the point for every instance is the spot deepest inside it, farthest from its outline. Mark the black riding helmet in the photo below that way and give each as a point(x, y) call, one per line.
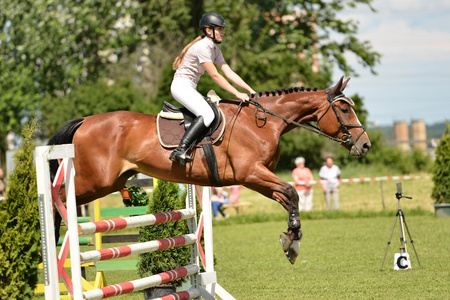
point(212, 20)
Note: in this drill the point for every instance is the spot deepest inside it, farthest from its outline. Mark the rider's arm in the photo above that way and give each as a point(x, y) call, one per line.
point(222, 82)
point(235, 78)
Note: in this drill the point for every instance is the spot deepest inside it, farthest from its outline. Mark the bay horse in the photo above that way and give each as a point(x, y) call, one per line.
point(111, 147)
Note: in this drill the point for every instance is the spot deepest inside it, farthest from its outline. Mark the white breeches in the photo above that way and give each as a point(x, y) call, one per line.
point(185, 92)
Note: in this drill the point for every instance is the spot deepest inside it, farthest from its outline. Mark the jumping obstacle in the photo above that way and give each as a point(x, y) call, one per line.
point(203, 284)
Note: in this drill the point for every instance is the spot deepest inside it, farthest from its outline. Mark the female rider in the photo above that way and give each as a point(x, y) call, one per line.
point(200, 55)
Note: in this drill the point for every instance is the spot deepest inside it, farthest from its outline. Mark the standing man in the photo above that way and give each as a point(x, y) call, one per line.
point(302, 177)
point(330, 175)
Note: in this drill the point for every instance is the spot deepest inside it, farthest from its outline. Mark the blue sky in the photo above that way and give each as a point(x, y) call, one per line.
point(413, 80)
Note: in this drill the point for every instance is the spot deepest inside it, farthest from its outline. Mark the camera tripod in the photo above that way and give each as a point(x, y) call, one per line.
point(401, 217)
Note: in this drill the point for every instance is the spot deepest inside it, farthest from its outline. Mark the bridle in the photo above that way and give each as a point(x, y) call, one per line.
point(346, 137)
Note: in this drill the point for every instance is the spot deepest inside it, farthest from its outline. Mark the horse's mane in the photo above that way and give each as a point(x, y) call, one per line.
point(285, 91)
point(272, 93)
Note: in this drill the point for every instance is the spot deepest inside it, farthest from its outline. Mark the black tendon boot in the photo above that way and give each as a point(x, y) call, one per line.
point(196, 128)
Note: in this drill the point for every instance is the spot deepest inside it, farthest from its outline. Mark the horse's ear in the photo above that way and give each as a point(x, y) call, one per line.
point(344, 84)
point(335, 90)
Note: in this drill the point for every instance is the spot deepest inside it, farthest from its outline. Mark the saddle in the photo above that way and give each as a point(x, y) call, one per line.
point(172, 122)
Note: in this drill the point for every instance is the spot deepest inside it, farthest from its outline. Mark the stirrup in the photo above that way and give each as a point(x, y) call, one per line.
point(180, 156)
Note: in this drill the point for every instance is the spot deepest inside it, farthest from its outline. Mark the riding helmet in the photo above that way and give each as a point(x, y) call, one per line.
point(212, 20)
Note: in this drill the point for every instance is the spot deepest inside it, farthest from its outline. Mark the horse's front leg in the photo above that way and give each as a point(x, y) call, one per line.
point(290, 240)
point(269, 185)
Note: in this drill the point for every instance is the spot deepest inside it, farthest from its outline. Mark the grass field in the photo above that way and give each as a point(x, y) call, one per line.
point(339, 259)
point(341, 252)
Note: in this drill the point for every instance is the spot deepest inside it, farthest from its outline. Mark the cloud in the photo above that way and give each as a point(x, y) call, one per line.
point(406, 30)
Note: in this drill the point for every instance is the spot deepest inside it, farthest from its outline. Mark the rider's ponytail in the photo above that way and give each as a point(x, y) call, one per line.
point(179, 59)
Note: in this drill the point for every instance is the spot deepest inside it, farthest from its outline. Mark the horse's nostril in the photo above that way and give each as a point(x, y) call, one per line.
point(366, 146)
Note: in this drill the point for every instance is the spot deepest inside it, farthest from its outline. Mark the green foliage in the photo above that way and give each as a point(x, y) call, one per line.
point(441, 169)
point(20, 236)
point(387, 159)
point(359, 109)
point(300, 142)
point(166, 197)
point(48, 47)
point(138, 197)
point(91, 99)
point(51, 47)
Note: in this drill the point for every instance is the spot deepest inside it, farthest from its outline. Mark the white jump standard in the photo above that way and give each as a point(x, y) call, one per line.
point(203, 284)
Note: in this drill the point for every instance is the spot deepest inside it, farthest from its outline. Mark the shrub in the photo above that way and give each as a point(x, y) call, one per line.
point(166, 197)
point(441, 169)
point(19, 226)
point(138, 197)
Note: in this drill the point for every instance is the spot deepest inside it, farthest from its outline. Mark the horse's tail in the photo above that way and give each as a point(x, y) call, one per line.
point(63, 136)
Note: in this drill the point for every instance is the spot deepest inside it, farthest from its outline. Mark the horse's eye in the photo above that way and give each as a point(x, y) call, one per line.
point(345, 110)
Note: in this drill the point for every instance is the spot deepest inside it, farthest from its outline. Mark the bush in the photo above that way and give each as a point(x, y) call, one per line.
point(166, 197)
point(19, 226)
point(138, 197)
point(441, 169)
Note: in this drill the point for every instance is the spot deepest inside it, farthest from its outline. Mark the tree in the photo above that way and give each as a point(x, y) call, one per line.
point(48, 47)
point(20, 238)
point(274, 44)
point(89, 99)
point(441, 169)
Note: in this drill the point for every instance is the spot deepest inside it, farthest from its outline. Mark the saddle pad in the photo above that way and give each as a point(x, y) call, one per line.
point(170, 131)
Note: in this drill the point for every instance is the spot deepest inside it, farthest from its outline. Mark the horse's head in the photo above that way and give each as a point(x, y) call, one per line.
point(339, 121)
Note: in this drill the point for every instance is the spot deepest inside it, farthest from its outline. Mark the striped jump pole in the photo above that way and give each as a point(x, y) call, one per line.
point(183, 295)
point(127, 250)
point(136, 221)
point(140, 284)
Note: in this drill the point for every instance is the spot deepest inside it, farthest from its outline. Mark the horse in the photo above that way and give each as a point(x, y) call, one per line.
point(113, 146)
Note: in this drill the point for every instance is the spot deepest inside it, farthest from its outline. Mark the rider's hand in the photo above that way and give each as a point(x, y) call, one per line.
point(242, 97)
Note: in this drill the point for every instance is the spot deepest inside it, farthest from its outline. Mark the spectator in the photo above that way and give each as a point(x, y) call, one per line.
point(330, 175)
point(302, 177)
point(2, 186)
point(217, 201)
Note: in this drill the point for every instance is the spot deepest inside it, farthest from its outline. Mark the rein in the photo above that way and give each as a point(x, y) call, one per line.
point(347, 138)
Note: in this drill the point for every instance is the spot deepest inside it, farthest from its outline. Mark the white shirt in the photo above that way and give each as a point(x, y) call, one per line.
point(330, 175)
point(200, 52)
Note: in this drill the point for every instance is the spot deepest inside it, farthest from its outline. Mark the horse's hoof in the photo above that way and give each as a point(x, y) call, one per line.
point(293, 251)
point(291, 247)
point(286, 241)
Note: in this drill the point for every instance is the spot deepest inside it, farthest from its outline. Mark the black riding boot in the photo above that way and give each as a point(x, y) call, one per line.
point(196, 128)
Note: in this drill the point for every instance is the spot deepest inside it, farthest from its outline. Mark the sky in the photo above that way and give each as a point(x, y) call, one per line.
point(413, 81)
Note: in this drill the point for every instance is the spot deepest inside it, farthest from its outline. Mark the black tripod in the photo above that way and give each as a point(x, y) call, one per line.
point(401, 216)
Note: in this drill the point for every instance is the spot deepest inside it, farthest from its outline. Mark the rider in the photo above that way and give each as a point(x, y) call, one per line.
point(200, 55)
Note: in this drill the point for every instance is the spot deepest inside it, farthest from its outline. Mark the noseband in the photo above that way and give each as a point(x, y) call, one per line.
point(346, 137)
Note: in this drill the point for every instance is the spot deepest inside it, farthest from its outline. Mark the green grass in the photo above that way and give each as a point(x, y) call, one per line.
point(341, 252)
point(339, 259)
